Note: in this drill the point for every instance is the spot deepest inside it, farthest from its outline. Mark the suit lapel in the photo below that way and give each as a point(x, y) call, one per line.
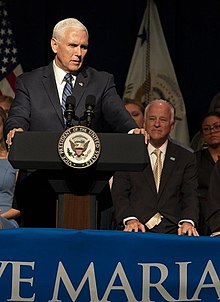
point(148, 173)
point(80, 86)
point(50, 87)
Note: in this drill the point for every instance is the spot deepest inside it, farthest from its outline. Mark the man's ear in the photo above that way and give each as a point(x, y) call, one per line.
point(54, 45)
point(172, 125)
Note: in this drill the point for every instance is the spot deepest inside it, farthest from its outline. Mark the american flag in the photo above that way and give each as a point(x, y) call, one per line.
point(9, 63)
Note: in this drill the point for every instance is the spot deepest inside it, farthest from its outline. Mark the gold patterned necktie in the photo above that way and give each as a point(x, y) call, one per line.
point(157, 168)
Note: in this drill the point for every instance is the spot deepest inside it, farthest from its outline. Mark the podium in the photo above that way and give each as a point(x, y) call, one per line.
point(39, 151)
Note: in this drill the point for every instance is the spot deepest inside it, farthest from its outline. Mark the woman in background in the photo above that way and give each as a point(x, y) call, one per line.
point(197, 141)
point(8, 175)
point(136, 110)
point(206, 159)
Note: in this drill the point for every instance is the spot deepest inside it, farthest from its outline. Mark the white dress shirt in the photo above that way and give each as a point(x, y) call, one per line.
point(59, 76)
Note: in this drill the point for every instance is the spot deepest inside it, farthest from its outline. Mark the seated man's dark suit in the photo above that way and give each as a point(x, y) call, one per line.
point(134, 193)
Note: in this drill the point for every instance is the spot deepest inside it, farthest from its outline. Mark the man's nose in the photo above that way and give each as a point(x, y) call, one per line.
point(78, 51)
point(157, 122)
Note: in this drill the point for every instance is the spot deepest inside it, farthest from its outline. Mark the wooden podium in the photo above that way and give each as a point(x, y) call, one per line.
point(77, 188)
point(76, 212)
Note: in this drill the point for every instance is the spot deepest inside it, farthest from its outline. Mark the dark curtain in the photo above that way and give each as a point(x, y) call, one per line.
point(191, 29)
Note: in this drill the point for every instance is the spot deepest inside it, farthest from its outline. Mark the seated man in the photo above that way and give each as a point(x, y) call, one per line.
point(163, 198)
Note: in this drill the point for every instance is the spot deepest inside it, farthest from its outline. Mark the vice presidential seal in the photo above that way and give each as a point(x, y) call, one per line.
point(79, 147)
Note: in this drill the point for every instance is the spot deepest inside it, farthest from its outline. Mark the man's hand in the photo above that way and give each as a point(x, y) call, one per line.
point(187, 229)
point(134, 225)
point(11, 135)
point(142, 131)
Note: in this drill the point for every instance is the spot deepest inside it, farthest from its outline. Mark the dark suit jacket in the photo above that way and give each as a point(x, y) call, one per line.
point(205, 164)
point(36, 106)
point(134, 193)
point(213, 202)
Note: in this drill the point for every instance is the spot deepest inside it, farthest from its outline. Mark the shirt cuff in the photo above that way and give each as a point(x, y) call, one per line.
point(131, 131)
point(215, 234)
point(185, 220)
point(128, 218)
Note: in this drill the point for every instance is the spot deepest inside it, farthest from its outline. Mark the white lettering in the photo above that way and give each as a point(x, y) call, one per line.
point(209, 269)
point(16, 280)
point(119, 271)
point(62, 275)
point(183, 281)
point(158, 285)
point(156, 281)
point(3, 266)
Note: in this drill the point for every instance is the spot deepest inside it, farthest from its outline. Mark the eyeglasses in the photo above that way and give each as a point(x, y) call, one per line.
point(208, 129)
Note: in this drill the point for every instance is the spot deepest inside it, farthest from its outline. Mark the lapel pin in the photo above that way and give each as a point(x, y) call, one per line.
point(81, 84)
point(172, 158)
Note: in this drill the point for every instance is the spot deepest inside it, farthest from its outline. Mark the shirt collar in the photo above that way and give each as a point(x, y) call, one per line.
point(59, 73)
point(162, 148)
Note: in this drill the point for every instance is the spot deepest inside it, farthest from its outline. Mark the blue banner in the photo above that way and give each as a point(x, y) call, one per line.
point(46, 265)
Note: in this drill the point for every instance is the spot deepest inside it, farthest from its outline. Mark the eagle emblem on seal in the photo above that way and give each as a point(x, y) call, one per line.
point(79, 144)
point(79, 147)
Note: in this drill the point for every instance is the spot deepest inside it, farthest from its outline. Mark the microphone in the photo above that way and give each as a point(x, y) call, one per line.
point(89, 113)
point(69, 113)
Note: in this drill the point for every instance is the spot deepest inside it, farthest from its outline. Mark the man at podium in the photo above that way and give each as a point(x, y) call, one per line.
point(40, 105)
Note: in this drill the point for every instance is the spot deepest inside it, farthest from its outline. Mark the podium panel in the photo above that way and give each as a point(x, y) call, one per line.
point(76, 212)
point(39, 150)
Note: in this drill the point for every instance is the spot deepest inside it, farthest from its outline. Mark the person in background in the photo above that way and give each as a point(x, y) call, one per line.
point(171, 206)
point(8, 209)
point(39, 105)
point(136, 110)
point(5, 102)
point(197, 141)
point(213, 201)
point(206, 159)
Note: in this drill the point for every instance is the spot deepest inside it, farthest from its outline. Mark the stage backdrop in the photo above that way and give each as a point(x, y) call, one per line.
point(45, 265)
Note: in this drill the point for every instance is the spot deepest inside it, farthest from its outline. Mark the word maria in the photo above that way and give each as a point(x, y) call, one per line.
point(89, 281)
